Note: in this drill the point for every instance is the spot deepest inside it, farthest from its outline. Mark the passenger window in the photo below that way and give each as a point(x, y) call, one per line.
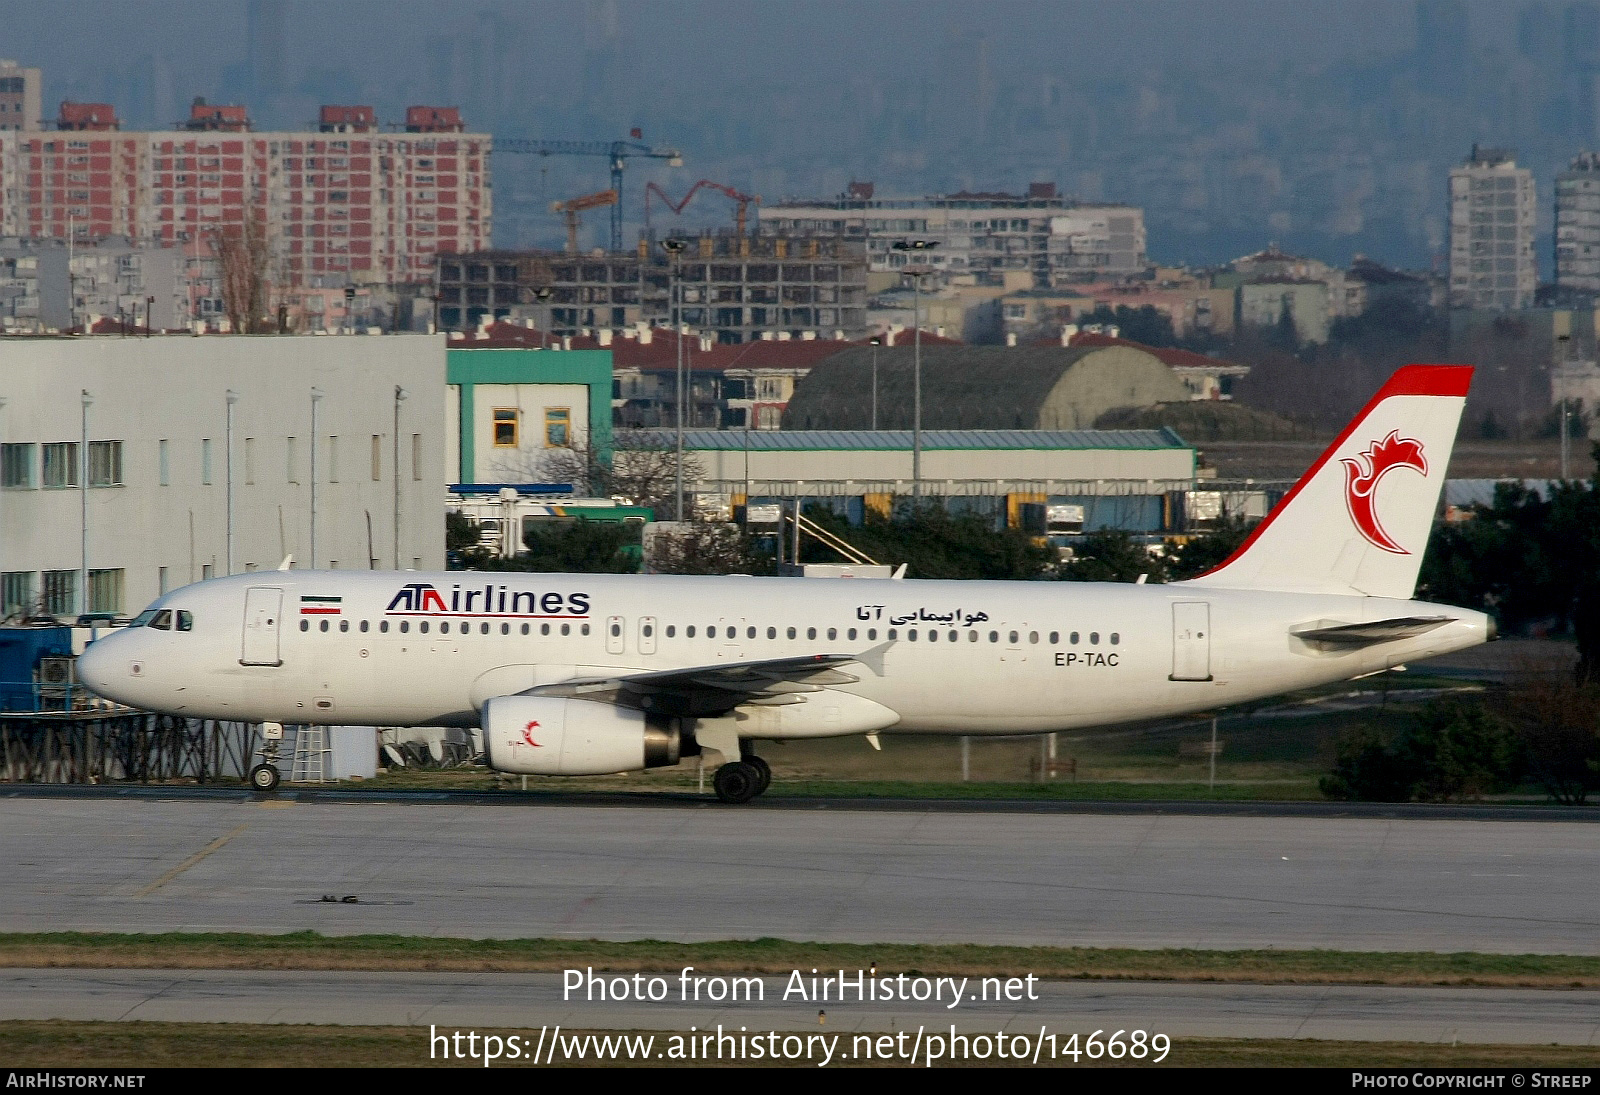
point(322, 625)
point(528, 627)
point(305, 625)
point(933, 636)
point(344, 625)
point(893, 634)
point(972, 636)
point(444, 628)
point(1014, 638)
point(586, 629)
point(688, 632)
point(772, 633)
point(811, 633)
point(185, 621)
point(383, 626)
point(912, 634)
point(1055, 637)
point(1073, 638)
point(405, 626)
point(750, 633)
point(791, 633)
point(423, 627)
point(833, 633)
point(483, 628)
point(363, 627)
point(994, 636)
point(851, 634)
point(648, 631)
point(544, 629)
point(954, 635)
point(1115, 638)
point(163, 620)
point(872, 633)
point(566, 629)
point(616, 629)
point(1033, 636)
point(672, 630)
point(1094, 638)
point(505, 629)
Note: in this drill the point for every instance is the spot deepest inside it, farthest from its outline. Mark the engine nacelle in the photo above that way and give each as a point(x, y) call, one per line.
point(547, 736)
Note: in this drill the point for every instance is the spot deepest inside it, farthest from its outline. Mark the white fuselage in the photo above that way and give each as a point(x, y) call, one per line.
point(386, 648)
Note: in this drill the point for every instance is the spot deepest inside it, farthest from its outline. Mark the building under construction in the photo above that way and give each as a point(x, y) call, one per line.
point(740, 287)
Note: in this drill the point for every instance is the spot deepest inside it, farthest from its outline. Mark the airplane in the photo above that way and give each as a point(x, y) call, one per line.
point(585, 674)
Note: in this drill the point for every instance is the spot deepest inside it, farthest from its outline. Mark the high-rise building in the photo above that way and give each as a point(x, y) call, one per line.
point(1578, 225)
point(982, 236)
point(1492, 211)
point(345, 203)
point(19, 96)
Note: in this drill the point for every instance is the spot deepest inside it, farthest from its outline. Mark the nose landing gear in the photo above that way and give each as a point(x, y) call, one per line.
point(264, 777)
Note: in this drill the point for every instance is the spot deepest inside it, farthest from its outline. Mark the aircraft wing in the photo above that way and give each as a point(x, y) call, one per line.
point(706, 691)
point(1379, 631)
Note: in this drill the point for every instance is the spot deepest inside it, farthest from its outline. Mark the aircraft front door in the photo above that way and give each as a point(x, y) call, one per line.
point(1191, 641)
point(263, 612)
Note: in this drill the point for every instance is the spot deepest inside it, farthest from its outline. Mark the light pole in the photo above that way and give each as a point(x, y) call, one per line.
point(875, 341)
point(83, 516)
point(400, 396)
point(674, 247)
point(231, 397)
point(916, 272)
point(316, 397)
point(2, 499)
point(543, 295)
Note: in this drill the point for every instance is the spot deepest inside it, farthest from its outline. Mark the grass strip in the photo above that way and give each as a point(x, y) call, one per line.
point(134, 1045)
point(313, 951)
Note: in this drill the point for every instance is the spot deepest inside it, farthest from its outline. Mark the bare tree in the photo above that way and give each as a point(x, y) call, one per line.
point(642, 467)
point(1557, 718)
point(244, 256)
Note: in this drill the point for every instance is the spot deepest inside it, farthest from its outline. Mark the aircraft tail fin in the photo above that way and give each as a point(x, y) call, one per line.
point(1358, 520)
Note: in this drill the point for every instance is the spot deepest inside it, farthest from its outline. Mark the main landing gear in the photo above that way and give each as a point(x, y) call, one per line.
point(742, 780)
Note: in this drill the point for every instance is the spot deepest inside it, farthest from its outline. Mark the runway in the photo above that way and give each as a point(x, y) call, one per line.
point(509, 1003)
point(911, 875)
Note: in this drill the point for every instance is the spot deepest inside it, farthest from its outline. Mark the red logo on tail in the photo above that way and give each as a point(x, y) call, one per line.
point(527, 734)
point(1361, 477)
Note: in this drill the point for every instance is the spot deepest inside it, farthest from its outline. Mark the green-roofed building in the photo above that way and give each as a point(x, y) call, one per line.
point(506, 408)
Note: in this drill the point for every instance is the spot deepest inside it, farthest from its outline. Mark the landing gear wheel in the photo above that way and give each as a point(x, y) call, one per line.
point(264, 777)
point(737, 782)
point(763, 773)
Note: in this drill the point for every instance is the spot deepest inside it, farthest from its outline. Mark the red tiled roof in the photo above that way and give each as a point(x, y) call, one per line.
point(1171, 356)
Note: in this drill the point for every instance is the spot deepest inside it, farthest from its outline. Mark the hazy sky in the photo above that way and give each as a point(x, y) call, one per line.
point(919, 95)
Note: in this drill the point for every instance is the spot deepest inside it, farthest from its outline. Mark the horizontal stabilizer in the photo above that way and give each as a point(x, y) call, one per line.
point(1379, 631)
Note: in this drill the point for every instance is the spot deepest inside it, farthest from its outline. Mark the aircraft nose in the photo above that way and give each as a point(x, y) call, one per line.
point(98, 668)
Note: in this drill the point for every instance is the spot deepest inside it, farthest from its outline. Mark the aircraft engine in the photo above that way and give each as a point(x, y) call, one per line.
point(547, 736)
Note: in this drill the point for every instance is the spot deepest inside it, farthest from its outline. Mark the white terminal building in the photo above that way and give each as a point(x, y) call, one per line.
point(154, 513)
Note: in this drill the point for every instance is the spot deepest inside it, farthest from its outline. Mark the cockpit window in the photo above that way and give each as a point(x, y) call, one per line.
point(185, 621)
point(143, 619)
point(162, 620)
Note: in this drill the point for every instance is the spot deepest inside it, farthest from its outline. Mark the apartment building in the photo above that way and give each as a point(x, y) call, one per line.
point(1578, 225)
point(981, 236)
point(347, 203)
point(1492, 218)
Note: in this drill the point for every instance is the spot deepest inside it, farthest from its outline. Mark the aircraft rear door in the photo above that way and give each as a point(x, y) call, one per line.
point(263, 616)
point(1191, 641)
point(647, 634)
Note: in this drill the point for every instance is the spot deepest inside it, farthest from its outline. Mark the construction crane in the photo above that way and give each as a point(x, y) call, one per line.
point(617, 152)
point(743, 200)
point(573, 206)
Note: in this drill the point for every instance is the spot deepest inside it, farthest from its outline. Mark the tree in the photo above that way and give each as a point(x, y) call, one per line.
point(1146, 324)
point(1208, 550)
point(708, 547)
point(244, 256)
point(1454, 749)
point(580, 547)
point(1112, 555)
point(935, 544)
point(1557, 720)
point(642, 467)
